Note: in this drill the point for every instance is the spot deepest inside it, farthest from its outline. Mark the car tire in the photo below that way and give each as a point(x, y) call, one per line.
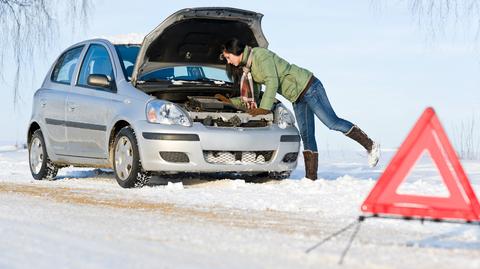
point(40, 165)
point(126, 160)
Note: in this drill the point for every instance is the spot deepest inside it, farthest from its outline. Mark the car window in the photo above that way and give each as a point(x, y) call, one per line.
point(187, 73)
point(97, 61)
point(63, 71)
point(127, 55)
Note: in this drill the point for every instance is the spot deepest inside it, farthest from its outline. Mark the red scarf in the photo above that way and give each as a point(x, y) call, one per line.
point(246, 83)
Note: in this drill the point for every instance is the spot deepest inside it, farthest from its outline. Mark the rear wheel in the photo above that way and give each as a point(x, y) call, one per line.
point(126, 160)
point(40, 165)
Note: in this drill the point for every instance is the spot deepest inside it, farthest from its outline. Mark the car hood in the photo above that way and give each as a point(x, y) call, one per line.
point(195, 36)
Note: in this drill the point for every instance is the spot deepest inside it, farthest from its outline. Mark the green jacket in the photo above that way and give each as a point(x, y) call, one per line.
point(277, 75)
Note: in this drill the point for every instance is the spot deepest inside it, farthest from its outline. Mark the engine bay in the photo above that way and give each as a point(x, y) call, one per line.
point(202, 106)
point(209, 104)
point(212, 112)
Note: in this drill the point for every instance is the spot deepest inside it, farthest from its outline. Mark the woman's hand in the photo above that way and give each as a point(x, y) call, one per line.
point(223, 98)
point(258, 111)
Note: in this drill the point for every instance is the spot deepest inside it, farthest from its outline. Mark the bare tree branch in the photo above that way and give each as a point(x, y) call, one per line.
point(29, 27)
point(438, 17)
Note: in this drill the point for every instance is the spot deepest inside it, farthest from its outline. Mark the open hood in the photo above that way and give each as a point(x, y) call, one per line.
point(195, 36)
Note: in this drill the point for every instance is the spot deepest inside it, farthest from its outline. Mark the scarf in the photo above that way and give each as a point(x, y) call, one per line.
point(246, 83)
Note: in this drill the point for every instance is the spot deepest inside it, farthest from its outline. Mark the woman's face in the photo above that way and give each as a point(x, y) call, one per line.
point(232, 58)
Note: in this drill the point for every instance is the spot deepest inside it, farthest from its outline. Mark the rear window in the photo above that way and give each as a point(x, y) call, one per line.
point(66, 64)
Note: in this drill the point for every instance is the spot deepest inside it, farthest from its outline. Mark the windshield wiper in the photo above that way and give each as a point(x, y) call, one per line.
point(181, 81)
point(152, 80)
point(204, 79)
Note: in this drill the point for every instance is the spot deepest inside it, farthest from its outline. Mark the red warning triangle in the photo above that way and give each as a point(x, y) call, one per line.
point(427, 135)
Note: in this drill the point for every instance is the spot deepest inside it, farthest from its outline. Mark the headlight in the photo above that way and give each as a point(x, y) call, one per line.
point(283, 117)
point(164, 112)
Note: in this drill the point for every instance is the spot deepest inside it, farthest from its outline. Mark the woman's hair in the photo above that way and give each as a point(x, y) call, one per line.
point(235, 47)
point(234, 73)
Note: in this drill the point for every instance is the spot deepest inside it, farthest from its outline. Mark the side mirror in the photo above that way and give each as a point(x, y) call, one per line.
point(98, 80)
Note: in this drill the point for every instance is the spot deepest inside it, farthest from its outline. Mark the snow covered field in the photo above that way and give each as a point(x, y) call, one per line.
point(83, 219)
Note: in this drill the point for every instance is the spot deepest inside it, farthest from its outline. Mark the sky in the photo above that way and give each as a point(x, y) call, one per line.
point(381, 68)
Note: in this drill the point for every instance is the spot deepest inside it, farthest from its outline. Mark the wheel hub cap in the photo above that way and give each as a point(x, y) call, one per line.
point(36, 155)
point(123, 158)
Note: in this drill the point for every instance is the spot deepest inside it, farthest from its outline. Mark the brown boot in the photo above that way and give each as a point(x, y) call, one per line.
point(311, 164)
point(362, 138)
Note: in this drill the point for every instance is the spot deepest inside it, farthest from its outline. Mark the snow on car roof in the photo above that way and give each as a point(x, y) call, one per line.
point(131, 38)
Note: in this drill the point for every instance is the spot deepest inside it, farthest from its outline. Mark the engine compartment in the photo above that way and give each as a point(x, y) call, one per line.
point(211, 112)
point(209, 104)
point(199, 101)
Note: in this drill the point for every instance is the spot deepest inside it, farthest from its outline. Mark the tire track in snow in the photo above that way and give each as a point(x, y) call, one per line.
point(283, 222)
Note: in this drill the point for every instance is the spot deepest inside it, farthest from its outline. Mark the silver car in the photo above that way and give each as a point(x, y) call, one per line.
point(149, 108)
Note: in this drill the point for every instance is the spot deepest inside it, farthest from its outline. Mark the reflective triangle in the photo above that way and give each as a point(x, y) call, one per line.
point(429, 135)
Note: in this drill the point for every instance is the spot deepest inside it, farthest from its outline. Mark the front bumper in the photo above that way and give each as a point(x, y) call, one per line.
point(195, 141)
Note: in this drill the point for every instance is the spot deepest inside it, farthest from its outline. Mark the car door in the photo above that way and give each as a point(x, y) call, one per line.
point(89, 108)
point(52, 97)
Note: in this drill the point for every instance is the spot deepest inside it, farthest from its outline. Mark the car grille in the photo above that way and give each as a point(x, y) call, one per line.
point(174, 157)
point(237, 157)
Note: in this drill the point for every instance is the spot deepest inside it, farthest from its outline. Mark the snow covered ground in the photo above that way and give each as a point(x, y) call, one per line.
point(83, 219)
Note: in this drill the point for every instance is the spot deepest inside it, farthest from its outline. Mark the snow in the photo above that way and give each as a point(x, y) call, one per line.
point(83, 219)
point(131, 38)
point(10, 147)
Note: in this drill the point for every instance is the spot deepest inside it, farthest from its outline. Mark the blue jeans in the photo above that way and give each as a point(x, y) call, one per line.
point(315, 101)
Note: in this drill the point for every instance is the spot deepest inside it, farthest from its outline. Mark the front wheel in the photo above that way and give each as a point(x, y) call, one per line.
point(126, 160)
point(40, 165)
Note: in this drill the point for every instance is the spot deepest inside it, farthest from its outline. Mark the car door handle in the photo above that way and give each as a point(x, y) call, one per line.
point(43, 102)
point(72, 106)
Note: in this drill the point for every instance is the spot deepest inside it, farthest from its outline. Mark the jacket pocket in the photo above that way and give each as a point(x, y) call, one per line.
point(289, 87)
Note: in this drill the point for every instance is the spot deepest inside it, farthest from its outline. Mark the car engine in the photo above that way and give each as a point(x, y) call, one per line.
point(212, 112)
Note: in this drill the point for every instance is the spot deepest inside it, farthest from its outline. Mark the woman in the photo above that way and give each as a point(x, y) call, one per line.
point(296, 84)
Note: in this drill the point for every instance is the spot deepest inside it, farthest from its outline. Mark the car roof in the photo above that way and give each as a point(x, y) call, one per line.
point(127, 39)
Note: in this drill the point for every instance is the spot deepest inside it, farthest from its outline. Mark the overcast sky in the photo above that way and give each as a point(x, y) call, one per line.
point(380, 69)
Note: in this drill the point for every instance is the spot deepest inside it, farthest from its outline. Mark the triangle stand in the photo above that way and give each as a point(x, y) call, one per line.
point(356, 226)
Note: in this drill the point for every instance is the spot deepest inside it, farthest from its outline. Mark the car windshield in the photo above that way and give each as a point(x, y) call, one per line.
point(128, 56)
point(187, 73)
